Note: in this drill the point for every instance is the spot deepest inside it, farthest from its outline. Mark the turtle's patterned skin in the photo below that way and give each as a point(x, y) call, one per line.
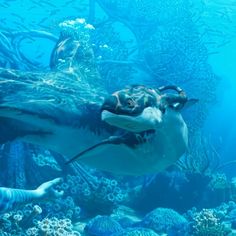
point(133, 100)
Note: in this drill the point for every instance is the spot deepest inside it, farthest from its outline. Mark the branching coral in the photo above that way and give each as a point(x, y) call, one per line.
point(206, 223)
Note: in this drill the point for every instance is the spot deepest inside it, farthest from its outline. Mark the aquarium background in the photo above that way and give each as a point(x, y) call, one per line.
point(188, 43)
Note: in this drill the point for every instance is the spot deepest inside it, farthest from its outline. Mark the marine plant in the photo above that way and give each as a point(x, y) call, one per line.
point(202, 157)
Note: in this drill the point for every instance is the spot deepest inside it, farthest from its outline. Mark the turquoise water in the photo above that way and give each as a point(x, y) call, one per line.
point(83, 80)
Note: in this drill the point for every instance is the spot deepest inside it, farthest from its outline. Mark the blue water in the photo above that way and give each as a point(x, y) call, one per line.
point(224, 112)
point(60, 61)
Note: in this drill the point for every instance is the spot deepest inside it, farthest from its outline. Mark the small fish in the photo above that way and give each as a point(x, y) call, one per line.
point(38, 3)
point(20, 17)
point(69, 2)
point(54, 12)
point(21, 26)
point(39, 55)
point(5, 5)
point(48, 3)
point(31, 8)
point(43, 20)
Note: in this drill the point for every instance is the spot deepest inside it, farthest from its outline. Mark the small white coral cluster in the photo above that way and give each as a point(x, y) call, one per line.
point(76, 24)
point(207, 223)
point(15, 222)
point(53, 226)
point(46, 159)
point(78, 28)
point(30, 221)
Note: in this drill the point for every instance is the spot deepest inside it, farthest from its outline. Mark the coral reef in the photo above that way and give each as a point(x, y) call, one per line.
point(102, 226)
point(30, 221)
point(96, 194)
point(162, 220)
point(219, 181)
point(16, 222)
point(173, 52)
point(126, 216)
point(207, 223)
point(53, 226)
point(63, 208)
point(46, 159)
point(138, 231)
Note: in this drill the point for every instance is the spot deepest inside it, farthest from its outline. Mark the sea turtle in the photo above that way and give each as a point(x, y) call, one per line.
point(61, 111)
point(140, 108)
point(156, 134)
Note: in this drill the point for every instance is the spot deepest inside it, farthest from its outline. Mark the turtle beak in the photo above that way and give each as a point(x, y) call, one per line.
point(147, 120)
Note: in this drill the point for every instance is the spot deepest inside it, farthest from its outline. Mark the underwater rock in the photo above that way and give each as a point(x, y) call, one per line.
point(161, 220)
point(102, 226)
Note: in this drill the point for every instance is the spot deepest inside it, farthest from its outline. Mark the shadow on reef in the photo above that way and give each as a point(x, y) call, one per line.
point(176, 190)
point(100, 204)
point(196, 180)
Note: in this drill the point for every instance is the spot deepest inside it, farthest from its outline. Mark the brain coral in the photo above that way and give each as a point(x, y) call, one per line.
point(161, 220)
point(102, 226)
point(136, 232)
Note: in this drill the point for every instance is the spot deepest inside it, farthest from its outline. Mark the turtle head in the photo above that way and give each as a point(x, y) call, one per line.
point(134, 109)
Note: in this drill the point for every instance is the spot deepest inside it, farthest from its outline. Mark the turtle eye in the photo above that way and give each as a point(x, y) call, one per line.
point(130, 103)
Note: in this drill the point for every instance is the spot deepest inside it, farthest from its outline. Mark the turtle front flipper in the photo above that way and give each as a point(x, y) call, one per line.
point(129, 139)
